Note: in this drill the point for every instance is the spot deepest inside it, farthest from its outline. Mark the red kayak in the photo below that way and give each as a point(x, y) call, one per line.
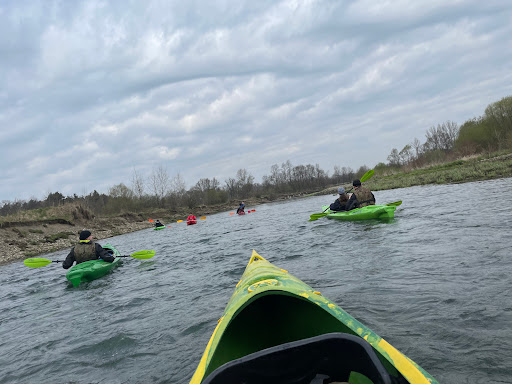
point(241, 213)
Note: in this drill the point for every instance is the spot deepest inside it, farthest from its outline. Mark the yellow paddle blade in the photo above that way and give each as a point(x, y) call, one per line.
point(143, 254)
point(36, 262)
point(203, 218)
point(179, 221)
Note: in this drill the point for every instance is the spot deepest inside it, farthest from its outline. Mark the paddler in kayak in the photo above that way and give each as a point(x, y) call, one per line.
point(241, 208)
point(86, 250)
point(340, 204)
point(158, 224)
point(361, 196)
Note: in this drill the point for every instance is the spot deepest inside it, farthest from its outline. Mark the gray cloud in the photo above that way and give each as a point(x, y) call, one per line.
point(92, 90)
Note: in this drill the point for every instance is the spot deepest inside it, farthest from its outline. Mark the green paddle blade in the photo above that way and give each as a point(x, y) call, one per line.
point(396, 203)
point(143, 254)
point(35, 262)
point(316, 216)
point(367, 175)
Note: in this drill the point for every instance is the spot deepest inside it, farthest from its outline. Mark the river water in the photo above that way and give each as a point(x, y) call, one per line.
point(436, 282)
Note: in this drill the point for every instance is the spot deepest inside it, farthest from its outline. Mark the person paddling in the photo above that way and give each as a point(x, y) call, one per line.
point(158, 224)
point(361, 197)
point(340, 204)
point(241, 208)
point(86, 250)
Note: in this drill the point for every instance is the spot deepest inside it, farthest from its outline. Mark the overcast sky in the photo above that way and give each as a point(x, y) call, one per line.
point(92, 90)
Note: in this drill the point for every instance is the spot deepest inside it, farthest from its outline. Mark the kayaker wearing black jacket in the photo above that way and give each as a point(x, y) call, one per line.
point(86, 250)
point(361, 197)
point(158, 224)
point(340, 204)
point(240, 207)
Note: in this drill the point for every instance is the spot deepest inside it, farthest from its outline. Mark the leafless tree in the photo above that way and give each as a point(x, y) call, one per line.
point(137, 184)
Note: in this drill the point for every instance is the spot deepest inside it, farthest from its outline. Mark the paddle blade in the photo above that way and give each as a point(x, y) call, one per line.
point(396, 203)
point(367, 175)
point(36, 262)
point(232, 213)
point(316, 216)
point(150, 220)
point(203, 218)
point(179, 221)
point(143, 254)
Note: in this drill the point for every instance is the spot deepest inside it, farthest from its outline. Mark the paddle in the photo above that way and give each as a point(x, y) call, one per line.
point(36, 262)
point(316, 216)
point(202, 218)
point(366, 176)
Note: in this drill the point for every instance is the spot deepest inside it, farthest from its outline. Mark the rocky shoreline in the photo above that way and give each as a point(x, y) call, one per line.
point(23, 237)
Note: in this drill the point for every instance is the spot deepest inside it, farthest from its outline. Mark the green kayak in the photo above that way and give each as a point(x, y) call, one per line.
point(277, 329)
point(94, 269)
point(157, 228)
point(366, 213)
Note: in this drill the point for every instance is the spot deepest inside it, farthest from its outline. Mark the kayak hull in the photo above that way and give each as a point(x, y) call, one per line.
point(157, 228)
point(379, 212)
point(94, 269)
point(191, 222)
point(272, 308)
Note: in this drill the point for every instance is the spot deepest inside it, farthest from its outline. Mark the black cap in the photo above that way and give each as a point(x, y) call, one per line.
point(85, 234)
point(356, 183)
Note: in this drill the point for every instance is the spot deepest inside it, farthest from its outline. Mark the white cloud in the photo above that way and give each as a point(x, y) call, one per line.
point(208, 89)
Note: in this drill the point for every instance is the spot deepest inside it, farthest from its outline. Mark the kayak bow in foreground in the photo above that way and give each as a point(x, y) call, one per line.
point(277, 329)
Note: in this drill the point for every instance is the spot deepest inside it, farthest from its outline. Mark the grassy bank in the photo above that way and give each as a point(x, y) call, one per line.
point(479, 168)
point(493, 166)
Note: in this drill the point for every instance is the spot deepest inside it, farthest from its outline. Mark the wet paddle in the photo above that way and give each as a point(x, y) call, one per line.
point(36, 262)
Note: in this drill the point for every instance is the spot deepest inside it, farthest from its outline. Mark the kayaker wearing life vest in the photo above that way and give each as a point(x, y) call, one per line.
point(361, 197)
point(86, 250)
point(191, 218)
point(340, 204)
point(240, 207)
point(158, 223)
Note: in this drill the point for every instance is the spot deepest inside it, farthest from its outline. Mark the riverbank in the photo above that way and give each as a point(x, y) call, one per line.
point(32, 233)
point(41, 231)
point(476, 168)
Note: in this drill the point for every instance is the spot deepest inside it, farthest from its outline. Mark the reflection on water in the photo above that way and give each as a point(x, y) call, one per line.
point(435, 282)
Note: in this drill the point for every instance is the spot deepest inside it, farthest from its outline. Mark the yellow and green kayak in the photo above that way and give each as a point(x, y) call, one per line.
point(277, 329)
point(94, 269)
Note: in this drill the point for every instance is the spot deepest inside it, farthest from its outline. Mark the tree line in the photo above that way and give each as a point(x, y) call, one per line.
point(160, 190)
point(445, 142)
point(491, 132)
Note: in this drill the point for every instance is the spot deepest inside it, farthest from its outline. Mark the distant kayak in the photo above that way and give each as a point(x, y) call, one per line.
point(241, 213)
point(157, 228)
point(366, 213)
point(94, 269)
point(277, 329)
point(191, 222)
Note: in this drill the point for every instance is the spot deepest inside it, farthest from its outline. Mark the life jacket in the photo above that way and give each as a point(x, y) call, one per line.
point(343, 198)
point(85, 252)
point(364, 197)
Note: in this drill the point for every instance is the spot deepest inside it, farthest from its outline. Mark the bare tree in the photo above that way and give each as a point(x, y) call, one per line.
point(394, 157)
point(137, 184)
point(120, 190)
point(160, 182)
